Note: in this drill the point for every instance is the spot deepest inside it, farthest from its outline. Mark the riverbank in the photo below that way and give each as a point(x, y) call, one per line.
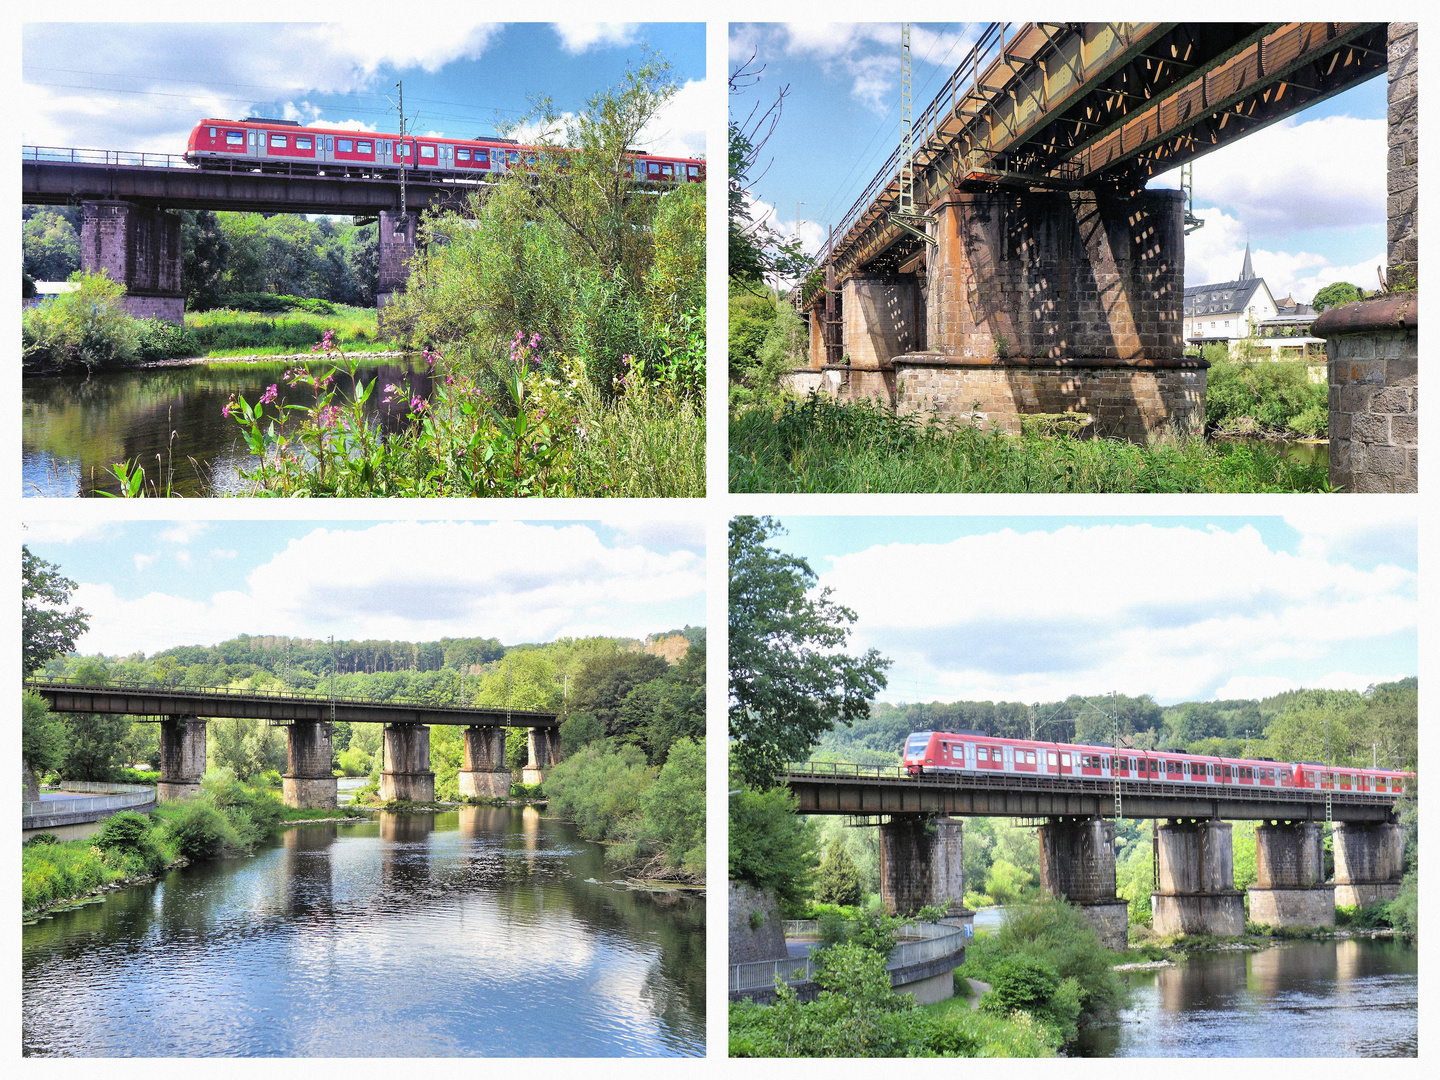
point(218, 362)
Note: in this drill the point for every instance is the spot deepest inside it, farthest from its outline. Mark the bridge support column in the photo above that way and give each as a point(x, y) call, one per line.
point(407, 773)
point(920, 864)
point(182, 757)
point(1196, 893)
point(881, 319)
point(139, 248)
point(309, 782)
point(1290, 887)
point(1369, 862)
point(483, 774)
point(1077, 864)
point(397, 247)
point(544, 752)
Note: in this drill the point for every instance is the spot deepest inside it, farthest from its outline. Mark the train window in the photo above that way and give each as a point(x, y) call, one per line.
point(212, 133)
point(365, 147)
point(1029, 757)
point(278, 140)
point(234, 138)
point(1052, 758)
point(983, 754)
point(345, 146)
point(462, 154)
point(695, 170)
point(427, 151)
point(482, 157)
point(1065, 760)
point(304, 142)
point(654, 168)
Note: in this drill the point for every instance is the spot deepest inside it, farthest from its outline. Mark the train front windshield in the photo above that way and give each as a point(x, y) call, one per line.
point(915, 745)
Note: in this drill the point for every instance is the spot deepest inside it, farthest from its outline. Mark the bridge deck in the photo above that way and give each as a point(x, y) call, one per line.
point(871, 791)
point(277, 707)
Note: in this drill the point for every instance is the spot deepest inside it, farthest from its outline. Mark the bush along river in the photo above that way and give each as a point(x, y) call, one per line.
point(1355, 997)
point(477, 933)
point(168, 418)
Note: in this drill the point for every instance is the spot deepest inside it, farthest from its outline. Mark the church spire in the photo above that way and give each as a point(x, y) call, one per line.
point(1247, 272)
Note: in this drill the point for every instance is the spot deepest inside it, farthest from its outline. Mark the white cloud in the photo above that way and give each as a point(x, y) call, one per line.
point(143, 562)
point(182, 532)
point(867, 55)
point(1099, 608)
point(679, 128)
point(576, 38)
point(1381, 534)
point(68, 532)
point(1263, 686)
point(421, 581)
point(223, 553)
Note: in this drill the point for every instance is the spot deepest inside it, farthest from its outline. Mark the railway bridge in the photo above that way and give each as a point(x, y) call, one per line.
point(309, 721)
point(127, 231)
point(1008, 258)
point(921, 842)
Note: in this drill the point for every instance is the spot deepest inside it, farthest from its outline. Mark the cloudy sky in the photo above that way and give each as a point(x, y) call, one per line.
point(142, 86)
point(1037, 608)
point(149, 586)
point(1308, 193)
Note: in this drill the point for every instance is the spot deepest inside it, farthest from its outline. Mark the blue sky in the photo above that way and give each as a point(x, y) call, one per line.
point(1286, 189)
point(151, 585)
point(1183, 608)
point(142, 86)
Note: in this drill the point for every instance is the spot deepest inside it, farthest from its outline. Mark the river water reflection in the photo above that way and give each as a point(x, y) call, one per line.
point(479, 933)
point(74, 429)
point(1354, 998)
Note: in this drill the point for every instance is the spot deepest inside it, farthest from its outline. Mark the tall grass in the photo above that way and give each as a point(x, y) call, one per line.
point(825, 446)
point(224, 332)
point(649, 444)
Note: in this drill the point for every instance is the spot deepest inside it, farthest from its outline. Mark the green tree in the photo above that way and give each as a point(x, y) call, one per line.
point(839, 881)
point(771, 847)
point(204, 258)
point(1335, 294)
point(789, 683)
point(674, 807)
point(51, 246)
point(600, 789)
point(87, 326)
point(47, 627)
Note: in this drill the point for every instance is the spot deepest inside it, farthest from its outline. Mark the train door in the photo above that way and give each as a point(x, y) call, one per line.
point(970, 755)
point(1067, 764)
point(1008, 765)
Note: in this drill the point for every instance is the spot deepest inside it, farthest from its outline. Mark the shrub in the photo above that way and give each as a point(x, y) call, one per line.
point(161, 340)
point(200, 831)
point(354, 762)
point(130, 836)
point(87, 326)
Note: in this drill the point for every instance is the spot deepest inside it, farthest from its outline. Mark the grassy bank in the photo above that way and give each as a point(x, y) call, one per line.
point(825, 446)
point(225, 332)
point(227, 818)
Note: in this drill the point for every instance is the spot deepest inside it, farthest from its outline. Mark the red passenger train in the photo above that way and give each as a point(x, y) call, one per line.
point(975, 754)
point(269, 144)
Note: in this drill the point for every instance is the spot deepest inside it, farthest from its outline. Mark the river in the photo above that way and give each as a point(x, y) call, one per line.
point(1314, 999)
point(74, 428)
point(487, 932)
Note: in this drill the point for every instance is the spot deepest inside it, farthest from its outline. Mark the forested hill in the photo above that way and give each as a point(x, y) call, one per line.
point(1379, 724)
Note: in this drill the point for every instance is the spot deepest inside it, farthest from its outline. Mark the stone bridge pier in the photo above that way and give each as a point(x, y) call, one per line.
point(1369, 862)
point(407, 773)
point(920, 864)
point(1290, 887)
point(182, 757)
point(309, 780)
point(138, 247)
point(1195, 892)
point(1077, 864)
point(544, 752)
point(483, 773)
point(397, 248)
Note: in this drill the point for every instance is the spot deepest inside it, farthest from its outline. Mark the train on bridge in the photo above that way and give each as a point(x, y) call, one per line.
point(284, 144)
point(972, 753)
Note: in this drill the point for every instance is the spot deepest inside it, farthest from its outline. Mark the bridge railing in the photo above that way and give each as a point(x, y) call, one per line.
point(143, 796)
point(122, 686)
point(965, 78)
point(1011, 781)
point(77, 156)
point(918, 944)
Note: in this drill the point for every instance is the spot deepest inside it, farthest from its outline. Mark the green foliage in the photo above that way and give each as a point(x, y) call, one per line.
point(577, 731)
point(50, 242)
point(161, 340)
point(752, 314)
point(204, 257)
point(673, 809)
point(771, 847)
point(824, 446)
point(789, 683)
point(1274, 395)
point(47, 629)
point(784, 349)
point(87, 326)
point(1135, 874)
point(354, 762)
point(225, 331)
point(600, 789)
point(129, 832)
point(839, 881)
point(1043, 943)
point(1404, 911)
point(1336, 294)
point(43, 736)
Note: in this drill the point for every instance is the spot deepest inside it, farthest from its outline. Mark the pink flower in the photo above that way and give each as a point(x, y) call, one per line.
point(328, 415)
point(417, 404)
point(271, 395)
point(534, 341)
point(225, 412)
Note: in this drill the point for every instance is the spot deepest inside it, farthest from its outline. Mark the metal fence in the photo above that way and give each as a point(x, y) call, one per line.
point(135, 795)
point(103, 157)
point(919, 944)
